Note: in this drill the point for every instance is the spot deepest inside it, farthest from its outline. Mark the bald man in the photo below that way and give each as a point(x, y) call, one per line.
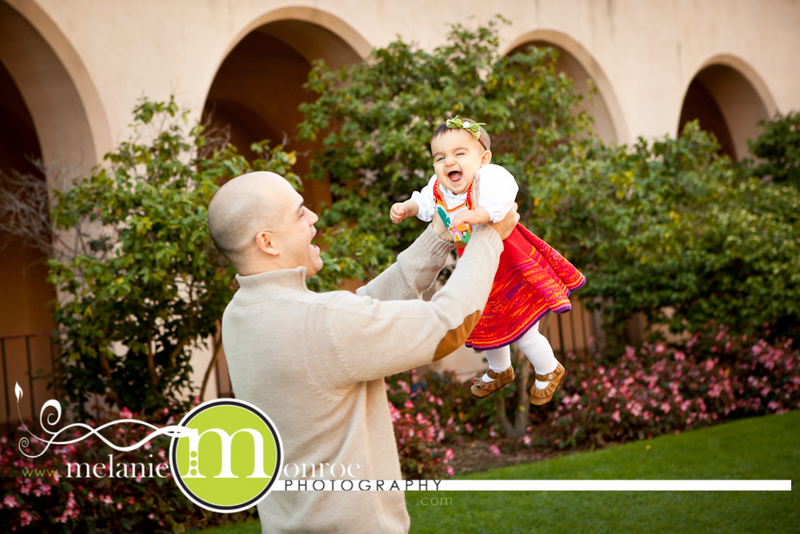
point(315, 362)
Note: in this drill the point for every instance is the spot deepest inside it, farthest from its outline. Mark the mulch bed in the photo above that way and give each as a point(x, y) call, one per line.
point(476, 455)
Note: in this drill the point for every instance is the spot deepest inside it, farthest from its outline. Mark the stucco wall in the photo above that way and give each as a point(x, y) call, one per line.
point(649, 51)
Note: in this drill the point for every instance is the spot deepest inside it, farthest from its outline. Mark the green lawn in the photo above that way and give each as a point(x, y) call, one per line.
point(758, 448)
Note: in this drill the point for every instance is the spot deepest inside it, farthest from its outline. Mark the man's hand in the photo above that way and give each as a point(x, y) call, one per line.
point(506, 226)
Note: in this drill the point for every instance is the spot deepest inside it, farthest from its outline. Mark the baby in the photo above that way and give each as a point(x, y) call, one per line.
point(532, 278)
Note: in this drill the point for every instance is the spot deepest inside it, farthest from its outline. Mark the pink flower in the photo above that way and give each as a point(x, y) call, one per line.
point(494, 450)
point(25, 518)
point(526, 440)
point(11, 502)
point(615, 416)
point(43, 489)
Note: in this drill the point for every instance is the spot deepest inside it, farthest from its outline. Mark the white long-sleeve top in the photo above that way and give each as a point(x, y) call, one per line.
point(497, 192)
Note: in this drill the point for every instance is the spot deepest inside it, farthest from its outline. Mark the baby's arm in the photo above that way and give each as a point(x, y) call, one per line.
point(403, 210)
point(477, 216)
point(498, 191)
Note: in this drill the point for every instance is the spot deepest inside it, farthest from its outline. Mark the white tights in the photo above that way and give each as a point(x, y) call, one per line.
point(534, 346)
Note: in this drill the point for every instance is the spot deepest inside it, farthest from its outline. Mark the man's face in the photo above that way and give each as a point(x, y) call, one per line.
point(457, 156)
point(295, 234)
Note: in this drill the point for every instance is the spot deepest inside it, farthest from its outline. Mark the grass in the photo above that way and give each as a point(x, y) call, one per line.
point(757, 448)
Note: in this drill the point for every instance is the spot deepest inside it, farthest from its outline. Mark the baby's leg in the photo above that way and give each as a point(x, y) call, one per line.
point(539, 352)
point(499, 360)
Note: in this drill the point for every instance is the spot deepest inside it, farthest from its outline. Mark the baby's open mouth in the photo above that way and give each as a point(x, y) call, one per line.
point(455, 176)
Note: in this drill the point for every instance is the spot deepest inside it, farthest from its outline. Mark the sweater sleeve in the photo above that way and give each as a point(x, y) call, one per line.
point(414, 271)
point(372, 338)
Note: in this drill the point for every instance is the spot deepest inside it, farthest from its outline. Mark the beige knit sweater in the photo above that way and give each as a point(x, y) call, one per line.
point(315, 364)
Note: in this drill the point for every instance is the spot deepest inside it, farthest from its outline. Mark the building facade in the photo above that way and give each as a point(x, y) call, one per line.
point(71, 73)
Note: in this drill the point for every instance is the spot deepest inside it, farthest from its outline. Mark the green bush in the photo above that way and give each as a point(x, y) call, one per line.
point(675, 231)
point(778, 150)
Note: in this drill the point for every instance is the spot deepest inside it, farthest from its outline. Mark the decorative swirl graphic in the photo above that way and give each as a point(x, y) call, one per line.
point(54, 418)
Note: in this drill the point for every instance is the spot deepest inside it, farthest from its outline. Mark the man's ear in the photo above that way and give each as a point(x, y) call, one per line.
point(265, 241)
point(486, 158)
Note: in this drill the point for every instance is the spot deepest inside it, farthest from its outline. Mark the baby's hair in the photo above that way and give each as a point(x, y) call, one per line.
point(483, 139)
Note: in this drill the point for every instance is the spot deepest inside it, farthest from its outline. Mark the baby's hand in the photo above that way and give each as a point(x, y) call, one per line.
point(463, 216)
point(398, 212)
point(477, 216)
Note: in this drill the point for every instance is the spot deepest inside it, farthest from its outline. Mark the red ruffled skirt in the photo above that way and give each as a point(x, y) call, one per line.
point(532, 279)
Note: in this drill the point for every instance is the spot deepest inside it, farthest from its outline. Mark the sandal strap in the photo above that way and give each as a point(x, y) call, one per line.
point(548, 377)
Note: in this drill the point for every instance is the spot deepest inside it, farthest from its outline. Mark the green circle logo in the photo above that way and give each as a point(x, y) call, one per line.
point(229, 457)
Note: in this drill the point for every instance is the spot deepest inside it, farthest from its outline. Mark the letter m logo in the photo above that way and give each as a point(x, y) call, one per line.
point(226, 442)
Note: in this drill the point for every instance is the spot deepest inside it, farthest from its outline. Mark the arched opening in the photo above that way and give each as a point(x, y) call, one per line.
point(574, 61)
point(259, 86)
point(22, 268)
point(258, 89)
point(727, 99)
point(45, 115)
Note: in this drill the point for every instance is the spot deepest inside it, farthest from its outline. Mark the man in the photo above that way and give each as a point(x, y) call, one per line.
point(315, 362)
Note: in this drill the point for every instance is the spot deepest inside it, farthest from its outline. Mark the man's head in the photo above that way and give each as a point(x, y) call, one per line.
point(457, 155)
point(259, 222)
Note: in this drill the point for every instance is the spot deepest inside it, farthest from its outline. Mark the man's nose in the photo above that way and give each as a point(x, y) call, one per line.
point(311, 217)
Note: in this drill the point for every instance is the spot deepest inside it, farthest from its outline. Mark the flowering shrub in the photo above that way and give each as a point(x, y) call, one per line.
point(658, 389)
point(39, 495)
point(429, 413)
point(643, 393)
point(417, 427)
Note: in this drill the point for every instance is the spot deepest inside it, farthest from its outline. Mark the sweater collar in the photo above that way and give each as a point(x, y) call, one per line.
point(258, 287)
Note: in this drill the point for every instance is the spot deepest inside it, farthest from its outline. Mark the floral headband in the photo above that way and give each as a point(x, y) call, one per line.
point(472, 127)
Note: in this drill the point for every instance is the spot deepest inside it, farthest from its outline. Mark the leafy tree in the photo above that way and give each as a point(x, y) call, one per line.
point(778, 148)
point(143, 285)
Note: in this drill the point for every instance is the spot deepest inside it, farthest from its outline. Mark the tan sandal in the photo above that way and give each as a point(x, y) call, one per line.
point(543, 396)
point(481, 389)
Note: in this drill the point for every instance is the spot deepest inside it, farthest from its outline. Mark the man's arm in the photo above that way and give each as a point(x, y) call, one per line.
point(373, 339)
point(414, 271)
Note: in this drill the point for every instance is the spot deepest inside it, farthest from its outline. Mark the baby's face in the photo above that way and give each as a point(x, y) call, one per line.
point(457, 156)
